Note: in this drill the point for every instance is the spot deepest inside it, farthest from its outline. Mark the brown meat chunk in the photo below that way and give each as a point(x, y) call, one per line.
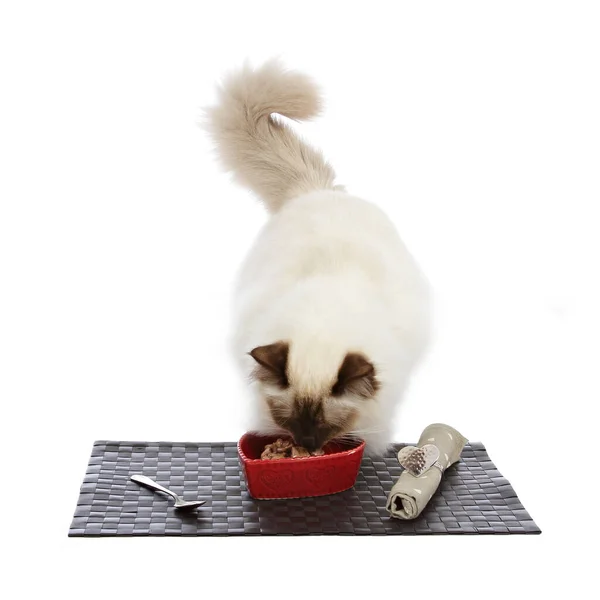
point(286, 449)
point(299, 451)
point(278, 449)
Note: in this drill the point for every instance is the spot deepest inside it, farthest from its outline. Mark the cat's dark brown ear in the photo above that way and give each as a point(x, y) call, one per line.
point(356, 376)
point(272, 363)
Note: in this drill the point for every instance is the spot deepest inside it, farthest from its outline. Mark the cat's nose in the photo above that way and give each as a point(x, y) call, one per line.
point(308, 442)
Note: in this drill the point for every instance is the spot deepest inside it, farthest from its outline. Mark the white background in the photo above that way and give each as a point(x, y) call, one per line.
point(475, 125)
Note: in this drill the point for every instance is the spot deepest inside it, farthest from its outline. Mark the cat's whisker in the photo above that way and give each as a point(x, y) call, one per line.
point(366, 431)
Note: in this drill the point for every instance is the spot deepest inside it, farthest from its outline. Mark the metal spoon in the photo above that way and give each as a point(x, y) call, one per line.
point(179, 502)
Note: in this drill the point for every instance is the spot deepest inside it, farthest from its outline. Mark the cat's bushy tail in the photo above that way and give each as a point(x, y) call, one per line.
point(264, 153)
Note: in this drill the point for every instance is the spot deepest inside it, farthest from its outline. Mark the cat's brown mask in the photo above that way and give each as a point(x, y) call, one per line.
point(314, 420)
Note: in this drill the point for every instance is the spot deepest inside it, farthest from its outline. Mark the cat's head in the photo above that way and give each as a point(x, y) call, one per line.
point(313, 410)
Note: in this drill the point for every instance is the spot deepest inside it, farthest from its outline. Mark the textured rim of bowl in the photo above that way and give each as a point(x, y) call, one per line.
point(325, 457)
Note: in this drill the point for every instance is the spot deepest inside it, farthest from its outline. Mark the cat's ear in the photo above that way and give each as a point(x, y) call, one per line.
point(272, 363)
point(356, 376)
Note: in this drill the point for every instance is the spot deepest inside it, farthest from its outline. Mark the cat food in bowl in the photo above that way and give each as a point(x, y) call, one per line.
point(299, 476)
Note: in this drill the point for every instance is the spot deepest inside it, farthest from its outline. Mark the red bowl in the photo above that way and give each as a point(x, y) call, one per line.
point(331, 473)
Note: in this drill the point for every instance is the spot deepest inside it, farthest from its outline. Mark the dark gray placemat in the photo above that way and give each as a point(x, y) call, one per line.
point(472, 498)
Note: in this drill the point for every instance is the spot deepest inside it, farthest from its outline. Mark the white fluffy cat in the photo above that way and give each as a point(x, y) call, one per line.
point(332, 313)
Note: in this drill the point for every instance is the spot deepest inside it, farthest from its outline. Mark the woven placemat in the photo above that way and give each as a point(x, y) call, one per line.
point(472, 498)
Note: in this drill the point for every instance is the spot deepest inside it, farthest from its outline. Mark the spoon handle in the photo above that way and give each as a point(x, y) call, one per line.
point(153, 485)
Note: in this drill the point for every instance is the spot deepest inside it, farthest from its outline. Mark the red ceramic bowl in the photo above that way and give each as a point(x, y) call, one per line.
point(333, 472)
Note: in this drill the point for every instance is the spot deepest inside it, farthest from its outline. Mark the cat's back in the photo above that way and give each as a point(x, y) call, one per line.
point(323, 233)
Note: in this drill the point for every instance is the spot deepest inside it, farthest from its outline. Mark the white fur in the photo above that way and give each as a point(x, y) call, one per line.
point(328, 273)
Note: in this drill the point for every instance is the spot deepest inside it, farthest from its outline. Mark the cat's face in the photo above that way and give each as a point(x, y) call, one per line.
point(328, 411)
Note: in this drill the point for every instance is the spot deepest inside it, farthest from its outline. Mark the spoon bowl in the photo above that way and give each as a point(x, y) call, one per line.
point(180, 503)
